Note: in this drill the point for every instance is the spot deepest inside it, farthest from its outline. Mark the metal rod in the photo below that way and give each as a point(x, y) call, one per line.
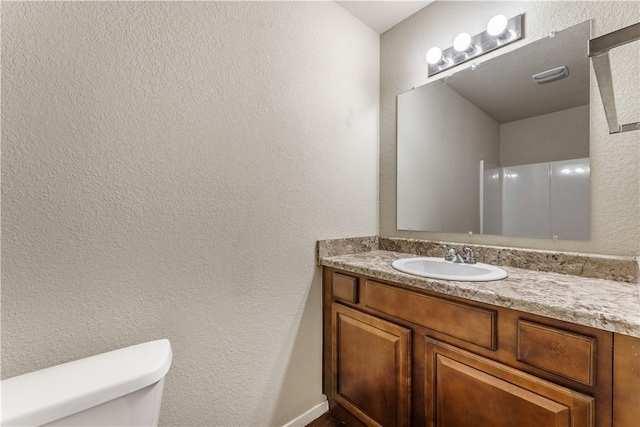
point(599, 53)
point(603, 44)
point(602, 67)
point(629, 127)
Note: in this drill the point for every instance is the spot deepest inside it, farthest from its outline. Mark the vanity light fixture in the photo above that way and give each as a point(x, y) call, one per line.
point(462, 43)
point(497, 27)
point(500, 32)
point(434, 56)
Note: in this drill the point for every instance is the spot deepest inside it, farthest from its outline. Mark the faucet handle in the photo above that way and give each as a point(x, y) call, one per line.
point(451, 252)
point(469, 257)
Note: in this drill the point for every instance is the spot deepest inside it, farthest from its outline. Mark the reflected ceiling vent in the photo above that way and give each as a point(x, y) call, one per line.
point(551, 75)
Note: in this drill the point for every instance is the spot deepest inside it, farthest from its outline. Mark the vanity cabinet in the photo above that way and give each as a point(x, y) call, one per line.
point(395, 355)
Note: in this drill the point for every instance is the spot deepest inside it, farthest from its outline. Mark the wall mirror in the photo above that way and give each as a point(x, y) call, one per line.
point(491, 150)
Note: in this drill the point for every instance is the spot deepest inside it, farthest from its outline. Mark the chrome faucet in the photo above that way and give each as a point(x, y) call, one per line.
point(469, 257)
point(453, 255)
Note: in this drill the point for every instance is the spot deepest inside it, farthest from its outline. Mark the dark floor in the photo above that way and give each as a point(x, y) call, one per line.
point(327, 420)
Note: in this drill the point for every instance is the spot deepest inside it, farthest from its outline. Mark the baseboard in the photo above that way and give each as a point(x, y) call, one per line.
point(312, 414)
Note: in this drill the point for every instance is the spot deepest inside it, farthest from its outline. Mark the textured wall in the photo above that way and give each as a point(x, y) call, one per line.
point(615, 220)
point(167, 168)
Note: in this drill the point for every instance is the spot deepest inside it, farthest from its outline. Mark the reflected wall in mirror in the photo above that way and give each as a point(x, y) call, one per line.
point(492, 151)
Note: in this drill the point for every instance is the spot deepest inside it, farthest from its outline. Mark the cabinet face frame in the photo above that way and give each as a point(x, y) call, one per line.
point(392, 336)
point(626, 381)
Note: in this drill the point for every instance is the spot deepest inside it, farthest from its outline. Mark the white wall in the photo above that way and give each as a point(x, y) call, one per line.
point(561, 135)
point(431, 194)
point(615, 170)
point(167, 168)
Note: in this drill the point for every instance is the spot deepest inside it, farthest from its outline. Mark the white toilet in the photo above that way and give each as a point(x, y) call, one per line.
point(119, 388)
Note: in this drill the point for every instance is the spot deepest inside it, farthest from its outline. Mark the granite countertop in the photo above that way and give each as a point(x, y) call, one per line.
point(600, 303)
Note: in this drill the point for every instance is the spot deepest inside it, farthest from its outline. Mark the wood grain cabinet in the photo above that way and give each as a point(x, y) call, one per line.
point(372, 360)
point(467, 390)
point(397, 356)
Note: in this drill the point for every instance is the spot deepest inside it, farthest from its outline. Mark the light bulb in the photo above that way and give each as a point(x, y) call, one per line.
point(497, 26)
point(434, 56)
point(462, 42)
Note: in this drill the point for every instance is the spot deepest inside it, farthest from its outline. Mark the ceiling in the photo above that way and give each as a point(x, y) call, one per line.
point(382, 15)
point(519, 96)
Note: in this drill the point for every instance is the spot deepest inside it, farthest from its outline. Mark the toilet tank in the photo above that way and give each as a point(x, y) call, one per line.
point(119, 388)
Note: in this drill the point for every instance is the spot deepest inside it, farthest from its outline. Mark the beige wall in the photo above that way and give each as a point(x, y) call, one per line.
point(167, 168)
point(615, 219)
point(562, 135)
point(425, 162)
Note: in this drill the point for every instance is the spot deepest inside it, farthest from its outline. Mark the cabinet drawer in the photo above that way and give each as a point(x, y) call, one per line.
point(466, 322)
point(560, 352)
point(345, 288)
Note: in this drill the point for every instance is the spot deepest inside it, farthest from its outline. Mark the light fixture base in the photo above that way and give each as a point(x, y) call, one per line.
point(483, 43)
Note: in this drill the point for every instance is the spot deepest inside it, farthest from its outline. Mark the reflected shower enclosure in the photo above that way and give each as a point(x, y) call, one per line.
point(537, 200)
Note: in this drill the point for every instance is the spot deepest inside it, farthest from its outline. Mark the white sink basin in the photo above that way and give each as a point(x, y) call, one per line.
point(439, 268)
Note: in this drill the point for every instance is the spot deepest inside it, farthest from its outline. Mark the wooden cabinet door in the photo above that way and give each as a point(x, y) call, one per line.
point(466, 390)
point(371, 367)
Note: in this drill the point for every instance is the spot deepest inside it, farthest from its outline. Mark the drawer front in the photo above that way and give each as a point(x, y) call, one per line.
point(560, 352)
point(466, 322)
point(345, 288)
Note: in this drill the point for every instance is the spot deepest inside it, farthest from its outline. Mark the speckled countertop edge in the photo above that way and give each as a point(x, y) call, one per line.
point(603, 304)
point(618, 268)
